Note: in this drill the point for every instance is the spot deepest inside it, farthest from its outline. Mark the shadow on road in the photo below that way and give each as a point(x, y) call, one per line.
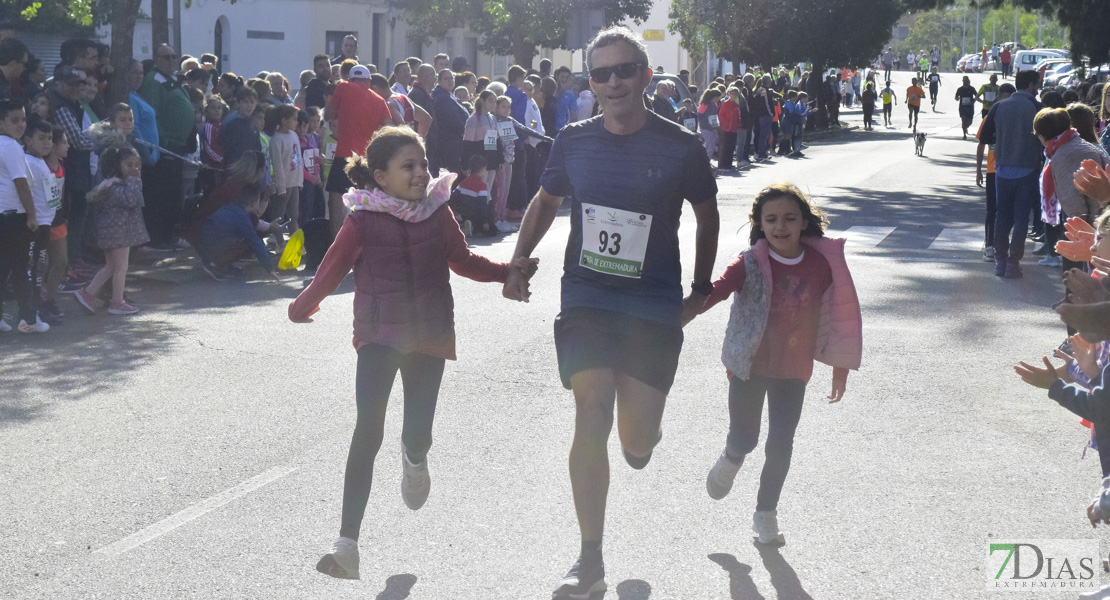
point(740, 584)
point(783, 578)
point(75, 363)
point(397, 587)
point(633, 589)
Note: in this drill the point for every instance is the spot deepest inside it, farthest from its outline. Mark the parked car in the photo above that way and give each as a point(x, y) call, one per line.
point(1028, 59)
point(1050, 64)
point(1056, 73)
point(970, 63)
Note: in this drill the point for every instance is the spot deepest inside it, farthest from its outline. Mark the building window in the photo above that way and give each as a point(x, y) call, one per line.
point(265, 35)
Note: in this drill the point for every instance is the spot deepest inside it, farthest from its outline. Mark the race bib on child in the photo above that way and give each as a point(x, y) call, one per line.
point(691, 124)
point(614, 242)
point(53, 188)
point(329, 150)
point(714, 121)
point(506, 130)
point(309, 156)
point(490, 142)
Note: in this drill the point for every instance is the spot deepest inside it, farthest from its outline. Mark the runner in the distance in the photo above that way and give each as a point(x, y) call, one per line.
point(934, 87)
point(619, 334)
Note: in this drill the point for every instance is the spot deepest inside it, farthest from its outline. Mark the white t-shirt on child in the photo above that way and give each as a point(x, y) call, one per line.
point(13, 165)
point(46, 190)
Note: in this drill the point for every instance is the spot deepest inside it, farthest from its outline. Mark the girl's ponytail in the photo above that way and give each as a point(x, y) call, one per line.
point(360, 173)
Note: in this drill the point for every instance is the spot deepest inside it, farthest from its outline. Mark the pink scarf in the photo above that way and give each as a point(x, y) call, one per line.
point(1050, 203)
point(439, 192)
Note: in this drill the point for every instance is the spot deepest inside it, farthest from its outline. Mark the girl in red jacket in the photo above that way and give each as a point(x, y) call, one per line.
point(401, 240)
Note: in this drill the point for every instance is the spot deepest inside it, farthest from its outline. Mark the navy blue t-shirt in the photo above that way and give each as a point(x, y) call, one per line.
point(632, 187)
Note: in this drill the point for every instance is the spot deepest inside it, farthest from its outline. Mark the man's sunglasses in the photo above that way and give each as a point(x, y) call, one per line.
point(626, 70)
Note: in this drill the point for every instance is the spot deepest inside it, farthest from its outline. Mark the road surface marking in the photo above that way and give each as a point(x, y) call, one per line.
point(970, 240)
point(859, 236)
point(197, 510)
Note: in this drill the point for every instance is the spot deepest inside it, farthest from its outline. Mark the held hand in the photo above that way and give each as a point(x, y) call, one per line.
point(528, 266)
point(691, 306)
point(516, 284)
point(839, 384)
point(1042, 378)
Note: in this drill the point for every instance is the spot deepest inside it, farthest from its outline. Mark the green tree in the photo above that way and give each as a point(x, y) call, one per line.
point(1087, 21)
point(66, 17)
point(513, 27)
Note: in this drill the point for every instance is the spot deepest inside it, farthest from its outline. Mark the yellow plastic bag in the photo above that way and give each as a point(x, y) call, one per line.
point(291, 257)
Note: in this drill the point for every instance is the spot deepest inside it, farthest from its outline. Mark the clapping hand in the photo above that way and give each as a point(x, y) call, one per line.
point(1093, 181)
point(1085, 289)
point(1042, 378)
point(1081, 236)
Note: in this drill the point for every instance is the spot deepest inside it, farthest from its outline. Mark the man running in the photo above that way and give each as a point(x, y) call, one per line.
point(619, 334)
point(934, 87)
point(914, 94)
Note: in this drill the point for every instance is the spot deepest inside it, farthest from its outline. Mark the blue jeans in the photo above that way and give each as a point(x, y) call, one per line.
point(1014, 200)
point(762, 135)
point(796, 137)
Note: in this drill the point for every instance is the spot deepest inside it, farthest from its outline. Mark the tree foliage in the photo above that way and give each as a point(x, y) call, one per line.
point(514, 27)
point(49, 16)
point(1087, 20)
point(768, 32)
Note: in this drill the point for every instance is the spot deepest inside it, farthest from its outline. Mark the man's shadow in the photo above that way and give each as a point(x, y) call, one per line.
point(397, 587)
point(783, 578)
point(740, 584)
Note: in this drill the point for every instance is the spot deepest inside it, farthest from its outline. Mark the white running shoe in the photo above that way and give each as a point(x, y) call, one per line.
point(765, 526)
point(468, 229)
point(36, 327)
point(342, 561)
point(4, 327)
point(719, 481)
point(505, 227)
point(415, 482)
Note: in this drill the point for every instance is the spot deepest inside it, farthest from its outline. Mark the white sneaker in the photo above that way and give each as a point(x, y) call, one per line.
point(415, 482)
point(1051, 261)
point(719, 481)
point(4, 327)
point(468, 229)
point(505, 227)
point(342, 561)
point(765, 526)
point(988, 254)
point(36, 327)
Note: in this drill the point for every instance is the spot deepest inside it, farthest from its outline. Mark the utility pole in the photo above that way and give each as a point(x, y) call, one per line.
point(1039, 28)
point(963, 33)
point(1015, 27)
point(977, 29)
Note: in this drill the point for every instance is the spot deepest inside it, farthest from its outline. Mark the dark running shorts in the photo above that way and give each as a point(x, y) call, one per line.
point(587, 338)
point(337, 178)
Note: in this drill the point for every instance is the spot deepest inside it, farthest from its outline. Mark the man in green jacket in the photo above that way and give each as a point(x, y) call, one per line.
point(162, 189)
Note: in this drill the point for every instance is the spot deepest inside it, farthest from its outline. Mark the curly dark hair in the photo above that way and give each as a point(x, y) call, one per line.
point(816, 220)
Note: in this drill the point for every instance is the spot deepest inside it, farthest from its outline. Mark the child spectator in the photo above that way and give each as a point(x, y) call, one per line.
point(397, 211)
point(285, 159)
point(471, 201)
point(18, 221)
point(57, 255)
point(794, 303)
point(708, 121)
point(40, 107)
point(119, 226)
point(229, 235)
point(38, 140)
point(509, 131)
point(212, 149)
point(480, 135)
point(312, 193)
point(237, 133)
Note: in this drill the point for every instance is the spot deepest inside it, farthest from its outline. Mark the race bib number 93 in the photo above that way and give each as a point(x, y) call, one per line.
point(614, 242)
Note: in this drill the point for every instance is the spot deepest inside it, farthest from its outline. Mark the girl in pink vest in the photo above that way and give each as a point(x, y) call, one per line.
point(402, 241)
point(794, 303)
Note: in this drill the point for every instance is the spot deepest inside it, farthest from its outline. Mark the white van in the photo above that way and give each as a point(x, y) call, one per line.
point(1025, 60)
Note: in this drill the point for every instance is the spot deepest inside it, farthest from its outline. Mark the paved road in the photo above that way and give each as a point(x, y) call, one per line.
point(196, 449)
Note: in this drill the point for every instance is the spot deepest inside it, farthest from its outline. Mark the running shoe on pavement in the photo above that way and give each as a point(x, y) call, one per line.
point(765, 526)
point(585, 578)
point(721, 476)
point(49, 312)
point(415, 482)
point(342, 561)
point(4, 327)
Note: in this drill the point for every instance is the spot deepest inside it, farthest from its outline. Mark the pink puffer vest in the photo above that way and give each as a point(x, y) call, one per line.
point(403, 295)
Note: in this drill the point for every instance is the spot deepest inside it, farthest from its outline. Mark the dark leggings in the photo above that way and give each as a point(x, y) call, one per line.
point(15, 246)
point(992, 210)
point(745, 410)
point(727, 141)
point(377, 368)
